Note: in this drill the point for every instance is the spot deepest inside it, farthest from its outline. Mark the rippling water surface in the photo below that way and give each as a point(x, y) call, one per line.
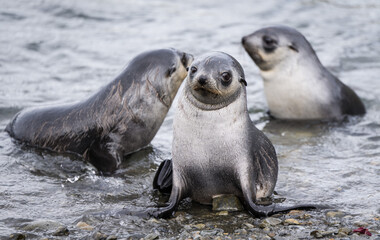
point(62, 51)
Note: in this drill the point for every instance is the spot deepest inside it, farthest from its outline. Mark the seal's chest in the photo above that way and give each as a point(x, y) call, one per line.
point(292, 97)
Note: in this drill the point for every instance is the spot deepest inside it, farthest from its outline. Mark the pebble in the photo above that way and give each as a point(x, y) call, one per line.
point(291, 221)
point(271, 234)
point(209, 232)
point(321, 234)
point(151, 236)
point(226, 202)
point(43, 225)
point(99, 236)
point(84, 226)
point(248, 225)
point(61, 231)
point(270, 221)
point(154, 220)
point(361, 224)
point(199, 226)
point(222, 213)
point(342, 232)
point(240, 231)
point(332, 214)
point(17, 236)
point(111, 237)
point(296, 213)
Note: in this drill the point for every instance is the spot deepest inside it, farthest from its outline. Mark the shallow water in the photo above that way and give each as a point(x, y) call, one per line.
point(62, 51)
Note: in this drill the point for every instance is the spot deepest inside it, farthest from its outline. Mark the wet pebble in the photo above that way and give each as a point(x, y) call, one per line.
point(321, 234)
point(61, 231)
point(17, 236)
point(270, 221)
point(84, 226)
point(291, 221)
point(42, 225)
point(361, 224)
point(240, 231)
point(199, 226)
point(271, 234)
point(99, 236)
point(248, 225)
point(296, 213)
point(151, 236)
point(209, 232)
point(222, 213)
point(336, 214)
point(342, 232)
point(226, 203)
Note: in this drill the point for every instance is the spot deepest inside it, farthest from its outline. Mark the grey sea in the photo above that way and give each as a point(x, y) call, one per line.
point(54, 52)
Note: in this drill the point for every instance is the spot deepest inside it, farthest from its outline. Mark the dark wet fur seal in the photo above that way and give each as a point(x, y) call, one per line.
point(121, 118)
point(296, 84)
point(216, 147)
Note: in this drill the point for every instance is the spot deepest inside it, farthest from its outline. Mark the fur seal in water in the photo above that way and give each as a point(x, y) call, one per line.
point(216, 147)
point(120, 118)
point(296, 84)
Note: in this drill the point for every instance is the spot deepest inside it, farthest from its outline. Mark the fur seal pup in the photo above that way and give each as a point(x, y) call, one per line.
point(296, 84)
point(120, 118)
point(216, 148)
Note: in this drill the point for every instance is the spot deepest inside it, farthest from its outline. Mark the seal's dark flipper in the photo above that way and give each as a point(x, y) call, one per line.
point(284, 209)
point(99, 156)
point(164, 177)
point(269, 210)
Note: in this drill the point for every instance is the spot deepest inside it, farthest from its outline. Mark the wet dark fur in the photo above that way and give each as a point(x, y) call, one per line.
point(87, 128)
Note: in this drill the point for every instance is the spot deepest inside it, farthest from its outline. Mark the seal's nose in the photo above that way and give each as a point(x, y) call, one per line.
point(202, 80)
point(243, 40)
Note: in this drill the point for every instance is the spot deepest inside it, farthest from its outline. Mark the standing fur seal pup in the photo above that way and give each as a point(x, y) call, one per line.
point(216, 148)
point(296, 84)
point(120, 118)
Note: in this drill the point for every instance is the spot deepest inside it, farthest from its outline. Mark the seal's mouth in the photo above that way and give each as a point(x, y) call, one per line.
point(203, 90)
point(253, 52)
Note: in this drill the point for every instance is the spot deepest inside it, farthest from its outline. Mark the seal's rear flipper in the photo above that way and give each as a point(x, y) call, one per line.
point(269, 210)
point(164, 177)
point(284, 209)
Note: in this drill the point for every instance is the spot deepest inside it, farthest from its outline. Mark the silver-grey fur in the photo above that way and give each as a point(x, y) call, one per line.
point(296, 84)
point(216, 147)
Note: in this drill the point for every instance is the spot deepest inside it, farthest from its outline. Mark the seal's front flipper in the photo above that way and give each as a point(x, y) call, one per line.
point(163, 180)
point(100, 156)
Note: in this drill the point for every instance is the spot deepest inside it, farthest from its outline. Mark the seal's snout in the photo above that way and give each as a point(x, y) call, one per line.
point(243, 40)
point(202, 80)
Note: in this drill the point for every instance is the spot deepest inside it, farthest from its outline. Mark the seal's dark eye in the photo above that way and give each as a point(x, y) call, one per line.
point(193, 69)
point(269, 43)
point(226, 78)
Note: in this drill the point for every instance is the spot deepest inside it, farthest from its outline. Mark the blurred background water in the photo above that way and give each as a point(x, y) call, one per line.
point(62, 51)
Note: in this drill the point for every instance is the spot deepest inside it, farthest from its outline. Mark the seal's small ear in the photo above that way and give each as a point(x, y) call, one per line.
point(242, 80)
point(293, 47)
point(187, 69)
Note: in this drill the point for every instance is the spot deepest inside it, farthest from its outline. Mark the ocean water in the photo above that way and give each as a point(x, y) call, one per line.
point(63, 51)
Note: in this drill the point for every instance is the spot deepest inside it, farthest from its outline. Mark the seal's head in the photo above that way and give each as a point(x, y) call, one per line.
point(215, 80)
point(162, 69)
point(272, 46)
